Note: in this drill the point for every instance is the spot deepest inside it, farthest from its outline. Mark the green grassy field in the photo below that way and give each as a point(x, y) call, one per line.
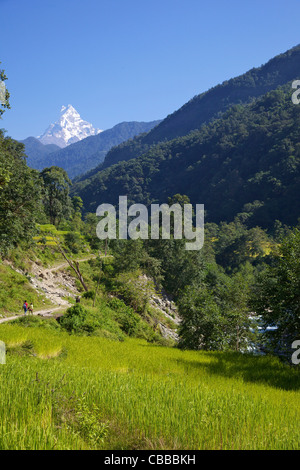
point(60, 391)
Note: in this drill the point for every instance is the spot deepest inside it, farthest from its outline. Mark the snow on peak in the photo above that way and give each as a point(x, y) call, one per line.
point(68, 129)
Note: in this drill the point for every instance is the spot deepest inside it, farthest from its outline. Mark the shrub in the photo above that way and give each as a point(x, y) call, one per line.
point(75, 320)
point(80, 320)
point(125, 316)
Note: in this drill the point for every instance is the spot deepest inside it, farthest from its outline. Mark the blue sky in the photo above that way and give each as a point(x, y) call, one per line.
point(130, 60)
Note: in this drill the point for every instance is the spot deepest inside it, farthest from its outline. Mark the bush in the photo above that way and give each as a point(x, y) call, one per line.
point(80, 320)
point(76, 320)
point(125, 316)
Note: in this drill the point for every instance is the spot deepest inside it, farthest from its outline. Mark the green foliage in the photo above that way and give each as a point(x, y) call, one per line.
point(56, 199)
point(89, 231)
point(20, 193)
point(125, 316)
point(88, 424)
point(77, 203)
point(134, 289)
point(35, 321)
point(151, 397)
point(215, 313)
point(276, 296)
point(179, 267)
point(90, 294)
point(202, 321)
point(89, 321)
point(74, 242)
point(76, 320)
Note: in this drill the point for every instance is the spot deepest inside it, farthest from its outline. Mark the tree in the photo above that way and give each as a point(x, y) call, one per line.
point(72, 263)
point(215, 313)
point(201, 326)
point(89, 231)
point(56, 199)
point(19, 188)
point(277, 294)
point(77, 204)
point(20, 195)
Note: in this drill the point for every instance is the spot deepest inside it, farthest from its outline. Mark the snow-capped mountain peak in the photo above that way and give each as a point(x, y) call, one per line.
point(68, 129)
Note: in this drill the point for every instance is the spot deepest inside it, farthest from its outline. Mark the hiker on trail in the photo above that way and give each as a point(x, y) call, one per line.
point(77, 299)
point(25, 306)
point(30, 309)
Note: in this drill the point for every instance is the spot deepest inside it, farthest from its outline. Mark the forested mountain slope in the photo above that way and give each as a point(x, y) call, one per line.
point(247, 161)
point(207, 106)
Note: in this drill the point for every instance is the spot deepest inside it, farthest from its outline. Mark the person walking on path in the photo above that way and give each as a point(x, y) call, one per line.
point(25, 307)
point(30, 309)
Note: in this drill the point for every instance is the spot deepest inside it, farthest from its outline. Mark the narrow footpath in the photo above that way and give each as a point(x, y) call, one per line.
point(55, 283)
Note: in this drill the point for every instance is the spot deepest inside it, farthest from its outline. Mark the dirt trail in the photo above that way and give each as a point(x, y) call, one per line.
point(44, 313)
point(57, 285)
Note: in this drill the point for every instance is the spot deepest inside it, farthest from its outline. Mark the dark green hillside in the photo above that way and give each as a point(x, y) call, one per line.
point(207, 106)
point(246, 162)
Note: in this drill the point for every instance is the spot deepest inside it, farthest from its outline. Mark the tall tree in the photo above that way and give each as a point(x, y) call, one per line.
point(215, 313)
point(20, 192)
point(56, 199)
point(277, 295)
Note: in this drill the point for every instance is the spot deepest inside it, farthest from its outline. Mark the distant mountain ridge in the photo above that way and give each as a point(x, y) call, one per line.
point(84, 155)
point(70, 128)
point(35, 150)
